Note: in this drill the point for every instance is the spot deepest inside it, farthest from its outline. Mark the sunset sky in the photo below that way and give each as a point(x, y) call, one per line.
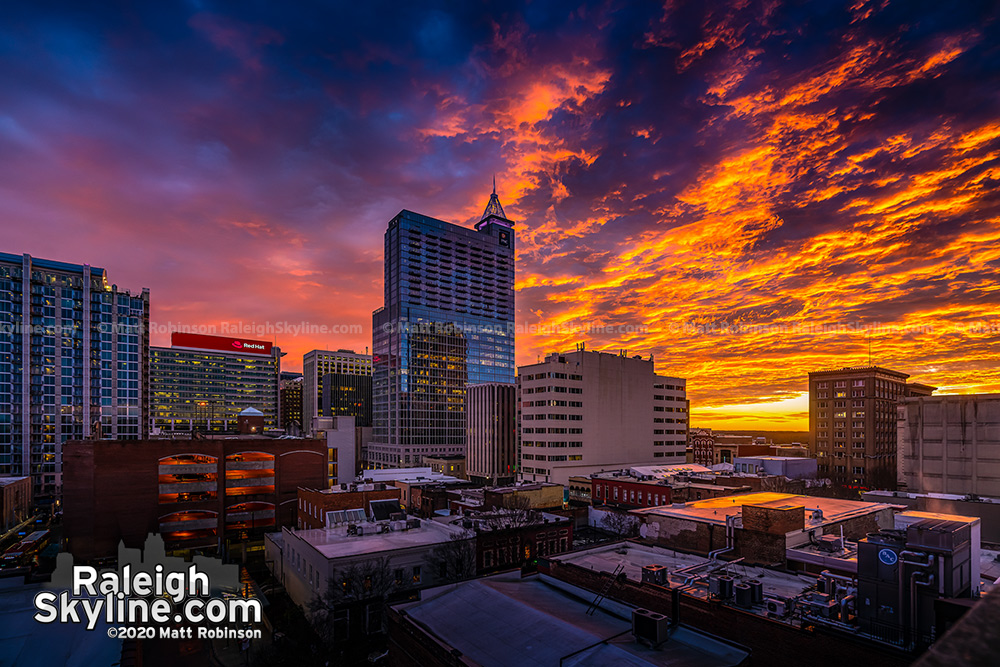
point(745, 191)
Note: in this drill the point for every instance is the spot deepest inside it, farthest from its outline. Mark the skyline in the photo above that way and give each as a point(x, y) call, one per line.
point(670, 169)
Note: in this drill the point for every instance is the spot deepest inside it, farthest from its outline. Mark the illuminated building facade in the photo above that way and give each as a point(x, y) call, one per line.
point(348, 397)
point(582, 412)
point(852, 424)
point(291, 403)
point(197, 494)
point(447, 322)
point(73, 364)
point(202, 383)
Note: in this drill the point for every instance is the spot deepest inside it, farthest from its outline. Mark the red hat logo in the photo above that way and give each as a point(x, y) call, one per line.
point(237, 343)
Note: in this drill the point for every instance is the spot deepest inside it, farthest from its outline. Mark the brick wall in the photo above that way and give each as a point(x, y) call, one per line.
point(111, 487)
point(320, 503)
point(773, 520)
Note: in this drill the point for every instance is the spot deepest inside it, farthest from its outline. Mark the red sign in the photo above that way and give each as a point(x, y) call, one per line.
point(220, 343)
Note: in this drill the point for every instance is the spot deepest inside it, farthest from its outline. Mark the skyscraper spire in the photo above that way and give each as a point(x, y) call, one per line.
point(493, 208)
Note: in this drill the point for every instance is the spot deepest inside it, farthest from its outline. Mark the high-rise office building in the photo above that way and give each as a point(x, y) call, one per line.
point(291, 403)
point(347, 395)
point(852, 423)
point(350, 389)
point(73, 364)
point(491, 420)
point(582, 412)
point(202, 383)
point(447, 322)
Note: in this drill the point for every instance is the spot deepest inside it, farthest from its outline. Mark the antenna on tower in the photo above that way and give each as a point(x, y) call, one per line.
point(494, 183)
point(869, 346)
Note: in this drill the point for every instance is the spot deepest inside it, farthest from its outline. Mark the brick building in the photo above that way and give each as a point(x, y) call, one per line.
point(540, 495)
point(15, 501)
point(507, 539)
point(199, 494)
point(759, 527)
point(315, 503)
point(852, 424)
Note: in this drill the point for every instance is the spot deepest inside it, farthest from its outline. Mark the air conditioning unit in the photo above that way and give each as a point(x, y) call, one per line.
point(361, 530)
point(413, 523)
point(398, 525)
point(383, 528)
point(829, 543)
point(650, 627)
point(352, 529)
point(654, 574)
point(779, 608)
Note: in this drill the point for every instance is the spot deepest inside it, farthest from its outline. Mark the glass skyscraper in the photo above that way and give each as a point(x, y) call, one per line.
point(74, 358)
point(447, 323)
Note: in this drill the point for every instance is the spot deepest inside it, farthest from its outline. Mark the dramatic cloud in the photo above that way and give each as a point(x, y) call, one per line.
point(747, 191)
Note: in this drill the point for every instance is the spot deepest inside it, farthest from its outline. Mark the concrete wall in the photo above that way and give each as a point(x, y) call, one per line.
point(950, 444)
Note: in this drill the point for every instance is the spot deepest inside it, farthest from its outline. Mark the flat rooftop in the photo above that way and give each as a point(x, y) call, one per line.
point(715, 510)
point(336, 543)
point(357, 488)
point(634, 556)
point(537, 621)
point(406, 475)
point(532, 486)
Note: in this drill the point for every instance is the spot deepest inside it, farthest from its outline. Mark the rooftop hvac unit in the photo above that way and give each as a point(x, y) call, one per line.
point(649, 627)
point(361, 530)
point(352, 529)
point(413, 523)
point(383, 528)
point(779, 608)
point(398, 525)
point(829, 543)
point(654, 574)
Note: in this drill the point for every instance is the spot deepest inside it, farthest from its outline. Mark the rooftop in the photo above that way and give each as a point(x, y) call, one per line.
point(715, 510)
point(336, 543)
point(4, 481)
point(634, 556)
point(524, 487)
point(406, 475)
point(539, 621)
point(355, 488)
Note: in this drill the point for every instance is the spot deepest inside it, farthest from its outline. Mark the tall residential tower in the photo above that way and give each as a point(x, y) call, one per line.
point(74, 358)
point(447, 322)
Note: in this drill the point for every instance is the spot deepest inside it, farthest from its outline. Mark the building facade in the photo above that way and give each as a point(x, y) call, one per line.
point(73, 364)
point(291, 404)
point(447, 322)
point(15, 501)
point(582, 412)
point(197, 494)
point(950, 444)
point(202, 383)
point(852, 424)
point(349, 393)
point(315, 503)
point(491, 421)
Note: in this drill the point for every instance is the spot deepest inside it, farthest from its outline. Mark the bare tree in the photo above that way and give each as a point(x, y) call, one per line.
point(370, 581)
point(455, 560)
point(620, 524)
point(516, 512)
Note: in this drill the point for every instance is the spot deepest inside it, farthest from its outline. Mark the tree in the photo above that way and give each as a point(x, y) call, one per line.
point(371, 581)
point(455, 560)
point(620, 524)
point(515, 512)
